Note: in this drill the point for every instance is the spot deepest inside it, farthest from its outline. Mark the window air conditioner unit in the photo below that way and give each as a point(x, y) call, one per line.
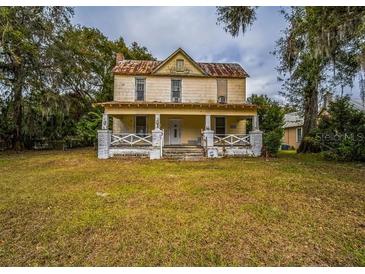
point(175, 99)
point(221, 99)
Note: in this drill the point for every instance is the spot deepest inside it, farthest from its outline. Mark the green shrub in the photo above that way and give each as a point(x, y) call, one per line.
point(87, 127)
point(272, 141)
point(347, 150)
point(341, 133)
point(271, 122)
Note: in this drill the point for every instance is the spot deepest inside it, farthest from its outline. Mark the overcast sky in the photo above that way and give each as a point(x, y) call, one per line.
point(163, 29)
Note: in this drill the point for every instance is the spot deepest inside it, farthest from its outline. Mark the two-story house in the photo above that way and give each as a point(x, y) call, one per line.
point(176, 104)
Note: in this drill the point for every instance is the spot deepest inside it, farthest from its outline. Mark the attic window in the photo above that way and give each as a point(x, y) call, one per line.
point(179, 65)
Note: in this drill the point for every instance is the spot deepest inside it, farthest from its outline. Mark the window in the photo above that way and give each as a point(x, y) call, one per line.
point(220, 125)
point(141, 125)
point(179, 65)
point(299, 135)
point(175, 91)
point(140, 89)
point(222, 90)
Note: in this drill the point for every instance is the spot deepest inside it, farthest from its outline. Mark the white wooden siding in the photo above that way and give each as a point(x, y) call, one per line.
point(194, 89)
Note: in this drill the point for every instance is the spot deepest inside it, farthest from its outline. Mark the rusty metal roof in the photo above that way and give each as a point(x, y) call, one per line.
point(133, 67)
point(224, 70)
point(144, 67)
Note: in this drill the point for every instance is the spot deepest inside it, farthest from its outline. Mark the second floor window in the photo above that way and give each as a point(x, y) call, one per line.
point(176, 90)
point(222, 90)
point(140, 89)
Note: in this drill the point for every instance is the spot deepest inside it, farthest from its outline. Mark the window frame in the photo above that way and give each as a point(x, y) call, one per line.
point(178, 68)
point(225, 125)
point(226, 89)
point(136, 89)
point(297, 135)
point(172, 91)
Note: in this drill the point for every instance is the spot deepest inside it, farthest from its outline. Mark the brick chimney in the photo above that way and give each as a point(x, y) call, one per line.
point(119, 57)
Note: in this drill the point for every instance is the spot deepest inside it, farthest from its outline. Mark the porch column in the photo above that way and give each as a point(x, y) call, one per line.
point(207, 122)
point(255, 123)
point(105, 121)
point(157, 140)
point(208, 139)
point(157, 121)
point(104, 138)
point(255, 137)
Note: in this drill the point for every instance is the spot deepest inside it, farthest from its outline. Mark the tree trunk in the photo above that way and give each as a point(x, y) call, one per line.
point(18, 111)
point(310, 117)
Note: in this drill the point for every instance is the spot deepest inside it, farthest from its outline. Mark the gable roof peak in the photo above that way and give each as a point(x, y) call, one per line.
point(187, 56)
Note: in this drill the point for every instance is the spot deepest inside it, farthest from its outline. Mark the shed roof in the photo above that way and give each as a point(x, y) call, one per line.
point(357, 104)
point(293, 119)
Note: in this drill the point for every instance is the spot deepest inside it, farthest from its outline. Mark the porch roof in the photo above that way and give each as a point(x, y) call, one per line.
point(246, 106)
point(119, 107)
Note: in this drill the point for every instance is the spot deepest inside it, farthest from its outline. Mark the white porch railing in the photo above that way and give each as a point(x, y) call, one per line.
point(231, 139)
point(120, 139)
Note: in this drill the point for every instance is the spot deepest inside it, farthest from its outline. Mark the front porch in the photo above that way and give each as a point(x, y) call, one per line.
point(139, 132)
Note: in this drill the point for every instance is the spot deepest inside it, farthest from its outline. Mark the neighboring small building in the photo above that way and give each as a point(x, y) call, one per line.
point(357, 104)
point(293, 126)
point(178, 106)
point(293, 129)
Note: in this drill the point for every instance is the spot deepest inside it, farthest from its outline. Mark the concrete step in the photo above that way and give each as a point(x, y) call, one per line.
point(183, 151)
point(186, 158)
point(178, 148)
point(189, 153)
point(182, 156)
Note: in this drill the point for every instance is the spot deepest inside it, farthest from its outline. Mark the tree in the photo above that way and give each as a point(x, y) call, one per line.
point(322, 47)
point(362, 88)
point(88, 125)
point(137, 52)
point(341, 133)
point(87, 58)
point(236, 18)
point(271, 121)
point(26, 34)
point(51, 72)
point(318, 41)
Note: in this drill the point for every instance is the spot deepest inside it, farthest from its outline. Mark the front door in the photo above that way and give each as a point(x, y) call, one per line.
point(175, 132)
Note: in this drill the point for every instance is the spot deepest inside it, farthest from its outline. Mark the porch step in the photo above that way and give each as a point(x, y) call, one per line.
point(183, 152)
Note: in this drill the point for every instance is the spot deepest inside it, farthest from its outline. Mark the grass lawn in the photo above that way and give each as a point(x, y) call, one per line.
point(68, 208)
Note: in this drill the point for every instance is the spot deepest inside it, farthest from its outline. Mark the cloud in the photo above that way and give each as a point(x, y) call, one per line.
point(163, 29)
